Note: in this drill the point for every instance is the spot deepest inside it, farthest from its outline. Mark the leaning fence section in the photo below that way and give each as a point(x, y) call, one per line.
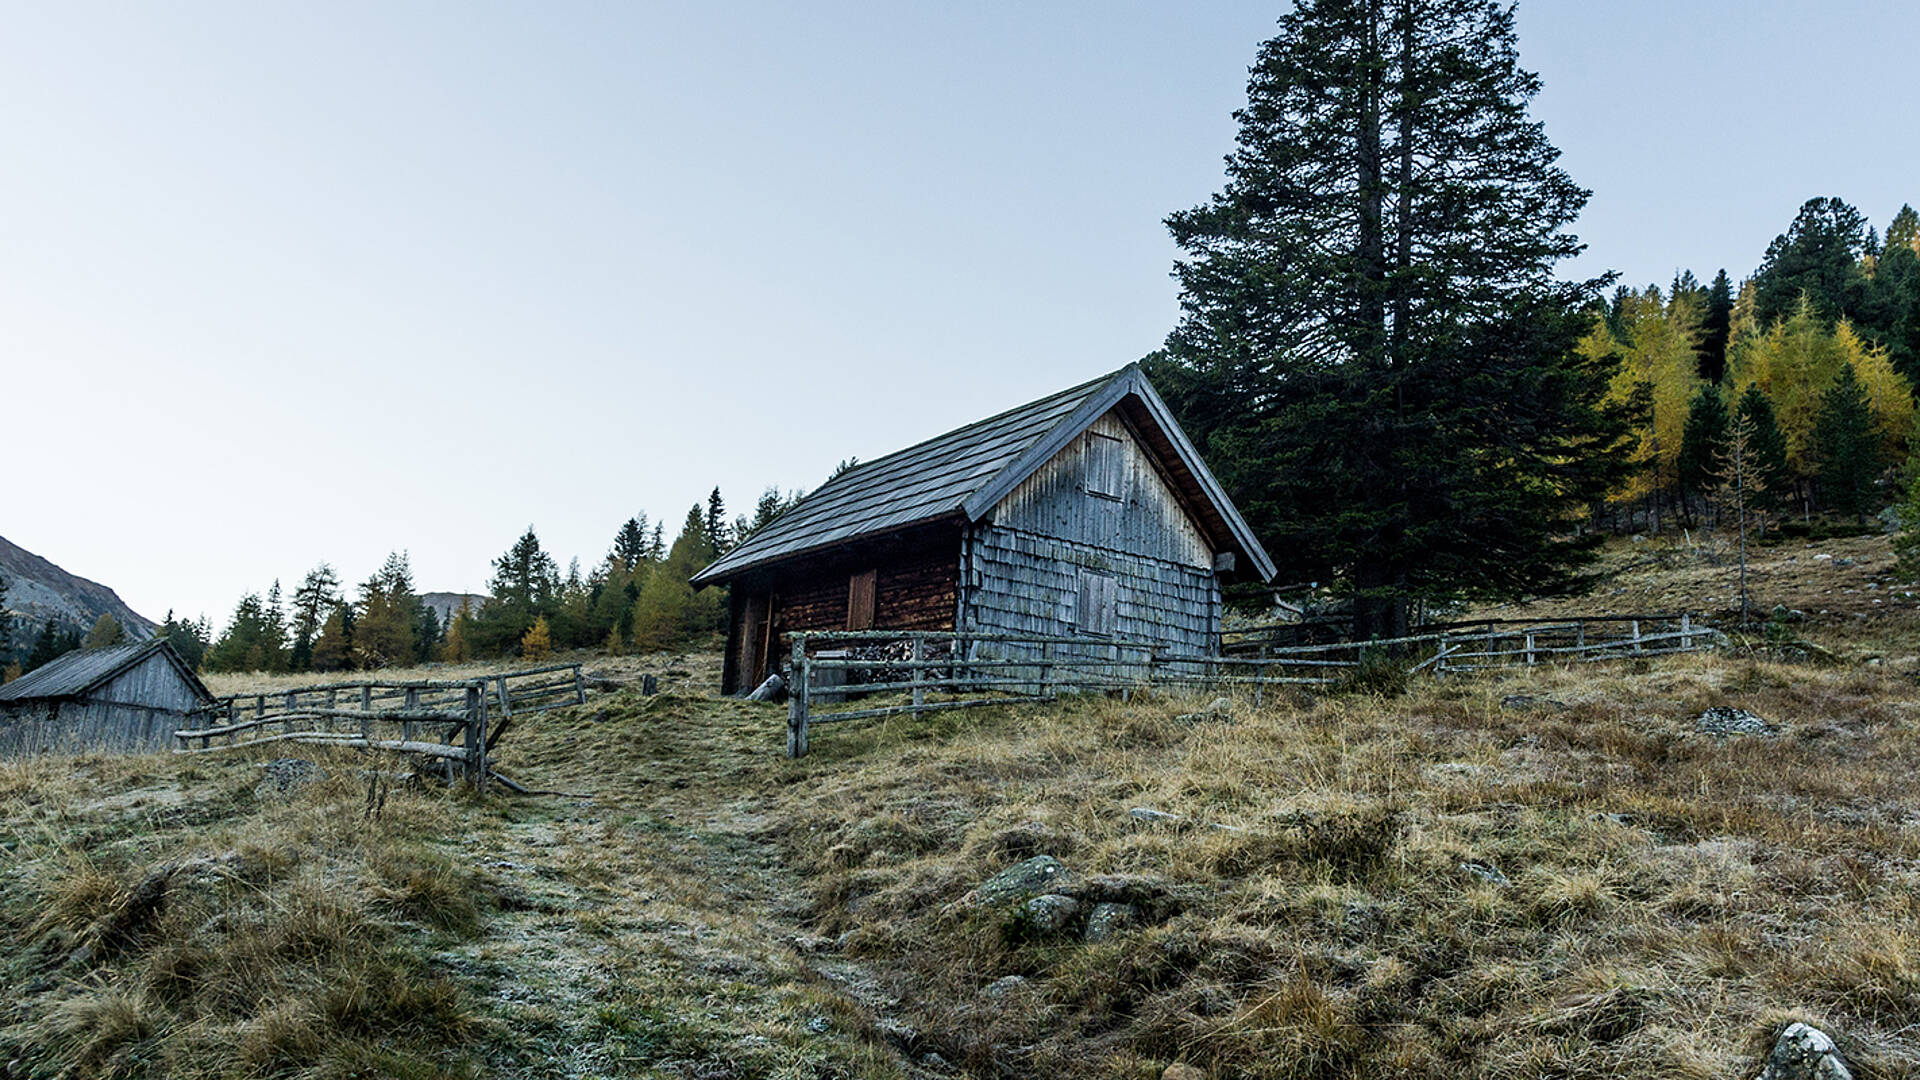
point(456, 722)
point(840, 676)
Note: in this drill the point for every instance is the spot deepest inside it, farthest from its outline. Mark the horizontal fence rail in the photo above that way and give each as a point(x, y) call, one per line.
point(827, 669)
point(455, 721)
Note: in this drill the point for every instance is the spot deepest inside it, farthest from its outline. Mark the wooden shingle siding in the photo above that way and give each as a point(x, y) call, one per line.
point(1027, 584)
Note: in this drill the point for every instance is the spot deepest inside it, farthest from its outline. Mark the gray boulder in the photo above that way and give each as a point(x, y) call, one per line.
point(1051, 913)
point(1805, 1053)
point(1019, 881)
point(1109, 919)
point(287, 775)
point(1726, 720)
point(1005, 986)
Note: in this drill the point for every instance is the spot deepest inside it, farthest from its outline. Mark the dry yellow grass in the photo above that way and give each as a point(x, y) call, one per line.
point(1427, 885)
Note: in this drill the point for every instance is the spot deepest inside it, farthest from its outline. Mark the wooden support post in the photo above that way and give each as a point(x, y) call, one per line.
point(1686, 631)
point(579, 686)
point(1529, 650)
point(259, 706)
point(1636, 636)
point(1046, 667)
point(366, 706)
point(500, 684)
point(289, 721)
point(413, 703)
point(919, 657)
point(797, 701)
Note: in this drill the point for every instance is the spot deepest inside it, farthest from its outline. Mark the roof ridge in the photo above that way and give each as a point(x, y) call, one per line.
point(982, 422)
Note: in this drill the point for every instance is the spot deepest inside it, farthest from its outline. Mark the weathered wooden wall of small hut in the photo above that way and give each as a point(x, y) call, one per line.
point(136, 712)
point(1025, 560)
point(913, 590)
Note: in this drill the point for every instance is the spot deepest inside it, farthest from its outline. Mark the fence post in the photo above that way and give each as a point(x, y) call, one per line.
point(797, 700)
point(919, 657)
point(477, 739)
point(1046, 667)
point(1260, 688)
point(1636, 637)
point(1686, 632)
point(579, 686)
point(1529, 650)
point(406, 726)
point(289, 722)
point(259, 706)
point(500, 684)
point(366, 706)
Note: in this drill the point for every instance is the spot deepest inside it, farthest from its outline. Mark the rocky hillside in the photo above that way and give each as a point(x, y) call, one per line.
point(444, 604)
point(38, 590)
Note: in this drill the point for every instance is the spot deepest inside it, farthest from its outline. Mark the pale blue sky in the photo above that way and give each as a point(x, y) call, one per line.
point(282, 283)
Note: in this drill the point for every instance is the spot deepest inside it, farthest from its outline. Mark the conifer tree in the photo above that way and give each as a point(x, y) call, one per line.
point(630, 544)
point(1742, 486)
point(1374, 352)
point(46, 646)
point(106, 631)
point(718, 539)
point(6, 628)
point(1767, 446)
point(188, 638)
point(1702, 442)
point(335, 648)
point(1716, 326)
point(537, 642)
point(1818, 257)
point(1847, 449)
point(454, 647)
point(386, 622)
point(524, 587)
point(318, 595)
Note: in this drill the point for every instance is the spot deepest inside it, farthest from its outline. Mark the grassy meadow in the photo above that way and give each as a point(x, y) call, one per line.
point(1549, 873)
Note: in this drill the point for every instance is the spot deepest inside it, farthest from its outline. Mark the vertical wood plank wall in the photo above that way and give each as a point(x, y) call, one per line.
point(137, 712)
point(1024, 562)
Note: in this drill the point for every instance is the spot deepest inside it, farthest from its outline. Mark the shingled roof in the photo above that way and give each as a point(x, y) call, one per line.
point(963, 474)
point(76, 673)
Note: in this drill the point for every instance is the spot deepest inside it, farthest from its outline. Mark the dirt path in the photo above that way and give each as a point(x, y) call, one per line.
point(652, 930)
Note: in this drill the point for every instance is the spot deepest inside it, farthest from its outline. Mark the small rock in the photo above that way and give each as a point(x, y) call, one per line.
point(932, 1060)
point(1019, 881)
point(1531, 701)
point(1180, 1070)
point(819, 1025)
point(1005, 985)
point(1486, 872)
point(1726, 720)
point(1109, 919)
point(1050, 914)
point(286, 775)
point(1147, 813)
point(1217, 709)
point(1805, 1053)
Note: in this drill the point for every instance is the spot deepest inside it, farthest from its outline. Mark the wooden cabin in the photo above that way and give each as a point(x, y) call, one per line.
point(122, 699)
point(1085, 513)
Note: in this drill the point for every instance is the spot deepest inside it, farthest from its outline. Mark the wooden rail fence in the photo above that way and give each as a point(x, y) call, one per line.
point(976, 670)
point(455, 721)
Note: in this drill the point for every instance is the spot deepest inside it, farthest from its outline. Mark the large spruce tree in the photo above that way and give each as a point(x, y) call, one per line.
point(1374, 352)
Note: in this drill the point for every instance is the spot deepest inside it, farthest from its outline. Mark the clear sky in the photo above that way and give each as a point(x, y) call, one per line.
point(282, 283)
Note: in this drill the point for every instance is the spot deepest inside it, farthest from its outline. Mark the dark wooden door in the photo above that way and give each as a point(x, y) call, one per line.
point(861, 597)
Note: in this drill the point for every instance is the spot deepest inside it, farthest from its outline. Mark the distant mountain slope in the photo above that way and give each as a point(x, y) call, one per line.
point(444, 604)
point(38, 590)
